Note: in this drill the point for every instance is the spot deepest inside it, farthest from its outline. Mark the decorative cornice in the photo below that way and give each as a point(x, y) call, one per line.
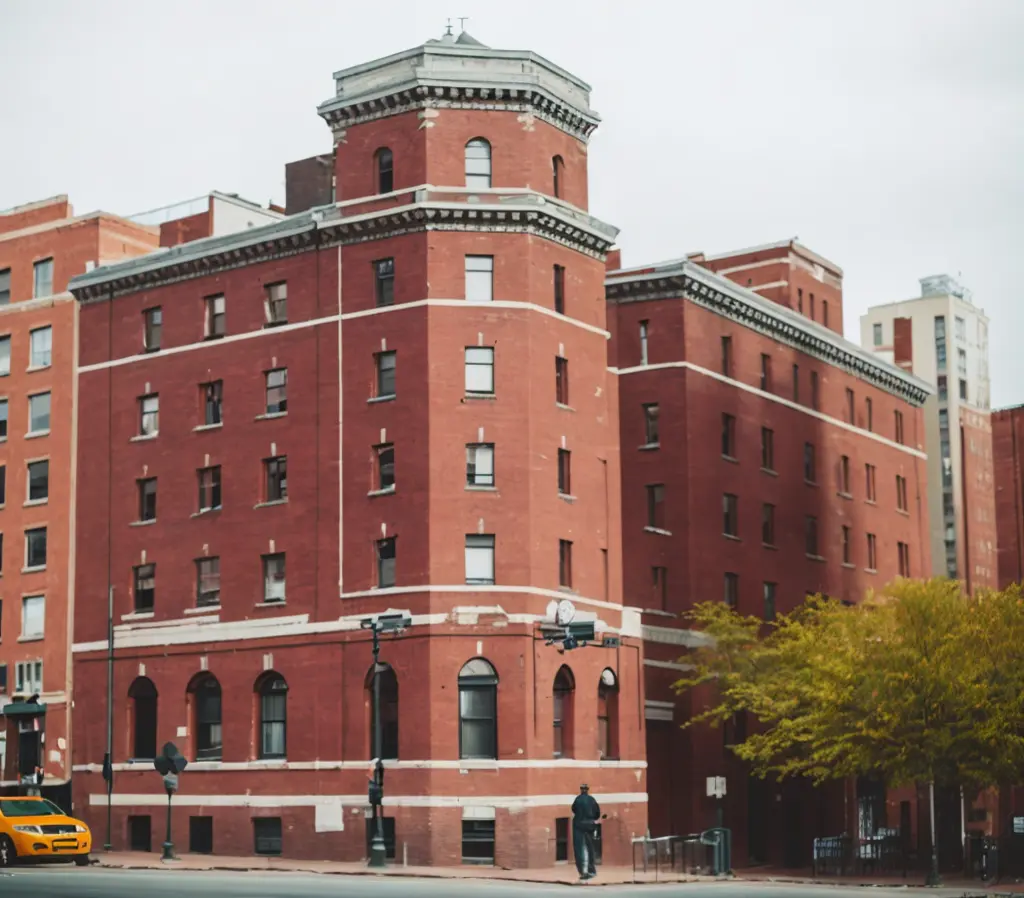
point(732, 301)
point(341, 114)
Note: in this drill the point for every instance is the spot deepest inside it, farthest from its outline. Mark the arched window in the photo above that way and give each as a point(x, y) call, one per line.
point(143, 697)
point(478, 710)
point(385, 165)
point(607, 715)
point(273, 696)
point(206, 724)
point(563, 713)
point(478, 164)
point(558, 175)
point(388, 713)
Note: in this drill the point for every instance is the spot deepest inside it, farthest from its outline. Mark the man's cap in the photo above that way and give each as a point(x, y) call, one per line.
point(584, 786)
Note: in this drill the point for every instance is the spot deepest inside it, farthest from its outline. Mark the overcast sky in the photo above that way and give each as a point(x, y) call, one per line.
point(888, 136)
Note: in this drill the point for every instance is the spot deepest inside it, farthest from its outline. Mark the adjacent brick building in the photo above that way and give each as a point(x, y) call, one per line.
point(400, 402)
point(1008, 464)
point(764, 458)
point(42, 246)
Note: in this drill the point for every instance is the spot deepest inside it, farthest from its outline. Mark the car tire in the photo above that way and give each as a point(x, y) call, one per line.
point(8, 853)
point(82, 860)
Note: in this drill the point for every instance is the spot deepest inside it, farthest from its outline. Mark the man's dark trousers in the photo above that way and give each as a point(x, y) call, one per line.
point(583, 837)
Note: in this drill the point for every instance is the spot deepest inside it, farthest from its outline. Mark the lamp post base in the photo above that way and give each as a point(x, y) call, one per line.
point(168, 854)
point(378, 853)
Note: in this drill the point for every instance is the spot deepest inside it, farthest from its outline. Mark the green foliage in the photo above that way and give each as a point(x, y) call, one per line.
point(918, 683)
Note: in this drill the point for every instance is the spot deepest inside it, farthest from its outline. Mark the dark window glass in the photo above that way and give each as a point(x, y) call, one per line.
point(267, 835)
point(38, 481)
point(384, 281)
point(385, 170)
point(385, 454)
point(277, 478)
point(565, 472)
point(209, 488)
point(147, 499)
point(152, 329)
point(656, 505)
point(207, 581)
point(143, 697)
point(145, 587)
point(273, 693)
point(562, 381)
point(276, 304)
point(559, 275)
point(277, 391)
point(386, 364)
point(386, 561)
point(478, 710)
point(208, 720)
point(35, 547)
point(213, 402)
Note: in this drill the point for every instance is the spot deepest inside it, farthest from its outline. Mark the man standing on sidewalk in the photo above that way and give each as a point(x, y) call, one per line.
point(585, 814)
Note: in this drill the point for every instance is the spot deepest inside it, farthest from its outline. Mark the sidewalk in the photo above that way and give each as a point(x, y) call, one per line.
point(563, 874)
point(912, 880)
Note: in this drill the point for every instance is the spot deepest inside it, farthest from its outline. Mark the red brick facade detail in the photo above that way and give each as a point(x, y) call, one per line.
point(1008, 463)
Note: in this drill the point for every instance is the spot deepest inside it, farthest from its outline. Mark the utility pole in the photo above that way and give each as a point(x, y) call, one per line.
point(108, 761)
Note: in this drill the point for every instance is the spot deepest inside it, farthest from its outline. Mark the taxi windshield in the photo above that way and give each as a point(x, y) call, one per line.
point(26, 807)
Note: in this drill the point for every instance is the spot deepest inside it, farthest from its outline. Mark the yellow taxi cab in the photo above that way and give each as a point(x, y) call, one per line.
point(34, 828)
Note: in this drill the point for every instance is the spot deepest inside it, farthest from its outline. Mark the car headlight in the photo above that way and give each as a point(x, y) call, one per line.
point(81, 829)
point(28, 828)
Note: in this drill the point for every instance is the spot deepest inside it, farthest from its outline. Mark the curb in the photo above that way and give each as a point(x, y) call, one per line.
point(971, 892)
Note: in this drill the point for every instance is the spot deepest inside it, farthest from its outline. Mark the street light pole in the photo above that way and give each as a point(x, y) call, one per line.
point(108, 765)
point(378, 852)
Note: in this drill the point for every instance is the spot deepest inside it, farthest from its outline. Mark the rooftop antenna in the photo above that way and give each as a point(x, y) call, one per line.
point(449, 27)
point(462, 22)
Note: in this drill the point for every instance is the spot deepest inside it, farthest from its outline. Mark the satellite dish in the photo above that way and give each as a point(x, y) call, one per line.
point(565, 613)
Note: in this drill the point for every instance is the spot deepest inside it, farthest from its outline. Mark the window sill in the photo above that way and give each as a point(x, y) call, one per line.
point(649, 447)
point(813, 483)
point(279, 603)
point(564, 407)
point(142, 523)
point(375, 399)
point(200, 427)
point(36, 434)
point(387, 491)
point(567, 497)
point(851, 567)
point(819, 558)
point(870, 570)
point(771, 546)
point(142, 437)
point(733, 537)
point(658, 530)
point(204, 609)
point(843, 495)
point(271, 503)
point(491, 396)
point(479, 583)
point(203, 512)
point(730, 458)
point(903, 512)
point(148, 349)
point(138, 615)
point(270, 416)
point(480, 488)
point(38, 638)
point(31, 503)
point(870, 502)
point(771, 472)
point(33, 570)
point(213, 337)
point(270, 324)
point(32, 368)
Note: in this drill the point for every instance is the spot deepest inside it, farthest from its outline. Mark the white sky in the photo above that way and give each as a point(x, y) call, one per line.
point(888, 136)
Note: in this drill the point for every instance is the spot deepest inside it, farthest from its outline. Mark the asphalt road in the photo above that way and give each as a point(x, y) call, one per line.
point(63, 882)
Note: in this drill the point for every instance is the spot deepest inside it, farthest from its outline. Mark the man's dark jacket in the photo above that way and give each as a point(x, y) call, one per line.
point(586, 812)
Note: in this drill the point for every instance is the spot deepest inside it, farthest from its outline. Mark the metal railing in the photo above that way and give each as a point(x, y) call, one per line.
point(884, 853)
point(698, 854)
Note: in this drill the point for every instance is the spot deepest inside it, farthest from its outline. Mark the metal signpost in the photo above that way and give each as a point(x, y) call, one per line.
point(170, 765)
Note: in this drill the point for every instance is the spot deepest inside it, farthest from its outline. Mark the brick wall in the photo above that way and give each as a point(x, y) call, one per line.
point(1008, 464)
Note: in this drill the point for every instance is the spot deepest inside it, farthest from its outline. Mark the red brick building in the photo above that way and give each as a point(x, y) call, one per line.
point(1008, 465)
point(400, 402)
point(764, 458)
point(42, 246)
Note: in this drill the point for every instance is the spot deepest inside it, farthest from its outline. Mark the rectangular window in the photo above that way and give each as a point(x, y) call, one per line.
point(384, 467)
point(876, 333)
point(480, 464)
point(3, 485)
point(656, 505)
point(963, 388)
point(844, 475)
point(846, 544)
point(386, 366)
point(267, 835)
point(870, 412)
point(5, 356)
point(730, 515)
point(565, 472)
point(149, 415)
point(209, 488)
point(386, 561)
point(869, 483)
point(940, 327)
point(215, 317)
point(810, 297)
point(277, 391)
point(42, 278)
point(207, 581)
point(811, 535)
point(480, 370)
point(961, 361)
point(851, 407)
point(384, 281)
point(3, 678)
point(213, 402)
point(3, 419)
point(815, 397)
point(652, 434)
point(941, 382)
point(145, 586)
point(824, 312)
point(478, 842)
point(40, 347)
point(147, 499)
point(766, 372)
point(731, 590)
point(872, 560)
point(643, 342)
point(480, 559)
point(565, 563)
point(901, 493)
point(28, 677)
point(561, 381)
point(767, 449)
point(728, 436)
point(479, 278)
point(559, 277)
point(35, 547)
point(959, 328)
point(152, 328)
point(810, 467)
point(940, 355)
point(768, 524)
point(273, 578)
point(899, 426)
point(33, 617)
point(561, 839)
point(5, 287)
point(796, 383)
point(277, 477)
point(727, 356)
point(200, 835)
point(38, 480)
point(659, 579)
point(275, 304)
point(800, 299)
point(769, 601)
point(39, 413)
point(904, 558)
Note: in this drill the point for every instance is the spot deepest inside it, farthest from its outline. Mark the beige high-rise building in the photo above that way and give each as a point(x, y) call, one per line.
point(942, 337)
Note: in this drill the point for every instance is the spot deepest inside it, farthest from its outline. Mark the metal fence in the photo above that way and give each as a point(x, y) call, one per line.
point(884, 854)
point(672, 855)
